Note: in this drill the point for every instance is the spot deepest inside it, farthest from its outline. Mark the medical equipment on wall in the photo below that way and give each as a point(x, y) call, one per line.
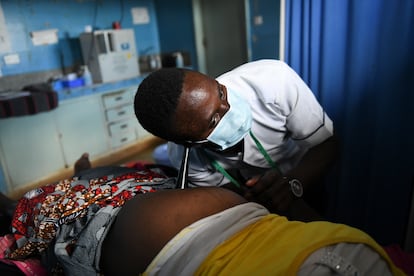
point(110, 55)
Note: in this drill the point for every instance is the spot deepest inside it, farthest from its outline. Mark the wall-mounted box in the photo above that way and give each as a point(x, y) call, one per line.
point(110, 55)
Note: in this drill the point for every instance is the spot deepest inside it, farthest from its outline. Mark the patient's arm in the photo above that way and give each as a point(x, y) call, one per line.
point(147, 222)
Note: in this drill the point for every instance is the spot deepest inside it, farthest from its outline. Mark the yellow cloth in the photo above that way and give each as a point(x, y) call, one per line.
point(276, 246)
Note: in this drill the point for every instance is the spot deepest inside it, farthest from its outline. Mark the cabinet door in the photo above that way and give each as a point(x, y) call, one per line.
point(82, 128)
point(30, 149)
point(139, 130)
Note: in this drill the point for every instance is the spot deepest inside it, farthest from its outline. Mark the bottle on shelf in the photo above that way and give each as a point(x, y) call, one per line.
point(87, 76)
point(179, 59)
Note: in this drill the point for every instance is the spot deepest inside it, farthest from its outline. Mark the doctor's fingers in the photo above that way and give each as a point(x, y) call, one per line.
point(281, 203)
point(264, 186)
point(278, 192)
point(252, 181)
point(277, 203)
point(260, 183)
point(271, 195)
point(258, 193)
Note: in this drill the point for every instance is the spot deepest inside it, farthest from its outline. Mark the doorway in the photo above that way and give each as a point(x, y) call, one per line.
point(220, 31)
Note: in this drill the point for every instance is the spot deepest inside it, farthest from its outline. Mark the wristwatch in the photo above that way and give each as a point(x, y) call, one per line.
point(296, 187)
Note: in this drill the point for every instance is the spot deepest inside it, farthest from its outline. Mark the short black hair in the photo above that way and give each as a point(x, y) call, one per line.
point(156, 101)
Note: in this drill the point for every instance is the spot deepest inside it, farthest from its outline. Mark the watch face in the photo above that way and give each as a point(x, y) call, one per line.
point(296, 187)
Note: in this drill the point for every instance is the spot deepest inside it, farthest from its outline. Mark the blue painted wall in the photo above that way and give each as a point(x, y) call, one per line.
point(176, 28)
point(357, 58)
point(170, 29)
point(263, 35)
point(70, 18)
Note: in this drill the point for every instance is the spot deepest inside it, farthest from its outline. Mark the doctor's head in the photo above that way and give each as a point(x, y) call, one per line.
point(182, 105)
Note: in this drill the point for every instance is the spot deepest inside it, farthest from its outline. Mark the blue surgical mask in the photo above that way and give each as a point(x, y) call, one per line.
point(234, 125)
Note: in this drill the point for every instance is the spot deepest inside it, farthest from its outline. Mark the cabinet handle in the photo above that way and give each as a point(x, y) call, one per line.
point(124, 139)
point(118, 98)
point(124, 126)
point(121, 112)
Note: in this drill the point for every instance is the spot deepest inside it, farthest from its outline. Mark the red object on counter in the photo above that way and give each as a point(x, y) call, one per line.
point(116, 25)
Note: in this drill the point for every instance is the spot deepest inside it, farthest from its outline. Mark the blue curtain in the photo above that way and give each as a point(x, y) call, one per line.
point(357, 56)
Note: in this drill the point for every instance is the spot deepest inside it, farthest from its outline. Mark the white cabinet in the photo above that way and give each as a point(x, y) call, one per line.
point(139, 130)
point(40, 146)
point(81, 126)
point(30, 149)
point(122, 125)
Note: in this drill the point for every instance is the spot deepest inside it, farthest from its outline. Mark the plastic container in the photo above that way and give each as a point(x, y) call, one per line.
point(57, 84)
point(179, 60)
point(73, 83)
point(87, 76)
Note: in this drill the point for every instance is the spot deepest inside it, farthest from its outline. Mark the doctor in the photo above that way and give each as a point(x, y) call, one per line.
point(257, 130)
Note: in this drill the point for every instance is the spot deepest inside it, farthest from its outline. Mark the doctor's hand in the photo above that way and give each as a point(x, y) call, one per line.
point(271, 190)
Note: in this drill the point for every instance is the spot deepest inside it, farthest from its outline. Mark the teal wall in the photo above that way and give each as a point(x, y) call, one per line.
point(263, 38)
point(170, 29)
point(70, 18)
point(176, 28)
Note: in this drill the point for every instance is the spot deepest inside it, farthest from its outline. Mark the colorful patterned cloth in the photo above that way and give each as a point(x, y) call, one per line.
point(42, 211)
point(29, 267)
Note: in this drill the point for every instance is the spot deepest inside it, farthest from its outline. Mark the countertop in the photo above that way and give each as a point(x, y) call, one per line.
point(70, 93)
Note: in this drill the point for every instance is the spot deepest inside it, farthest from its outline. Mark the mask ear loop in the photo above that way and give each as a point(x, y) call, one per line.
point(183, 173)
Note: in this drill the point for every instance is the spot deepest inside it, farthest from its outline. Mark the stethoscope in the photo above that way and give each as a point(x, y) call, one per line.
point(182, 179)
point(182, 182)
